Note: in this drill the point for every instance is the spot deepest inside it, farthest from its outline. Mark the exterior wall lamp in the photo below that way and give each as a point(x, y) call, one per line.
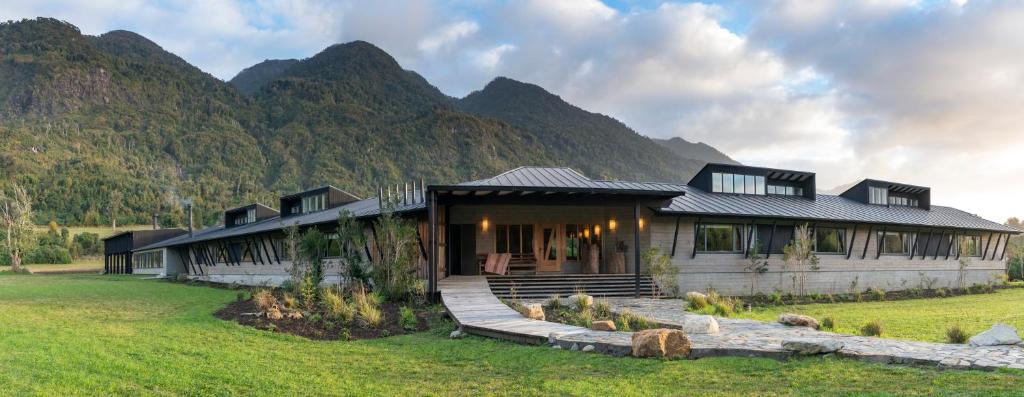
point(641, 222)
point(612, 225)
point(485, 224)
point(597, 230)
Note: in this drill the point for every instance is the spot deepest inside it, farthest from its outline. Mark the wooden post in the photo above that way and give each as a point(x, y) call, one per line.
point(849, 247)
point(675, 238)
point(927, 243)
point(1005, 243)
point(432, 266)
point(878, 246)
point(771, 240)
point(867, 240)
point(987, 243)
point(636, 248)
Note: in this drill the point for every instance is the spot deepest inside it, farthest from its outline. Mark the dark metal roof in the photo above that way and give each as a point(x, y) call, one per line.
point(825, 208)
point(770, 173)
point(359, 209)
point(559, 179)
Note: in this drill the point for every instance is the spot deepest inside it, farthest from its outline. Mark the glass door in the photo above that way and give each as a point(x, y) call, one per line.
point(550, 244)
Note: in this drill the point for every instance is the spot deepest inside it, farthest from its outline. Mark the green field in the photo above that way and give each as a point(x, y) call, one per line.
point(101, 335)
point(916, 319)
point(102, 231)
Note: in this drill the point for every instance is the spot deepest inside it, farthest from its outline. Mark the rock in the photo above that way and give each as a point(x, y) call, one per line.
point(274, 313)
point(798, 320)
point(556, 347)
point(534, 312)
point(587, 300)
point(661, 342)
point(456, 334)
point(809, 346)
point(294, 315)
point(999, 334)
point(704, 324)
point(695, 295)
point(603, 325)
point(588, 348)
point(575, 347)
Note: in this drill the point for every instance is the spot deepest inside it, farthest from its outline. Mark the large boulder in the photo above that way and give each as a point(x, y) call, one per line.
point(809, 346)
point(999, 334)
point(798, 320)
point(661, 342)
point(534, 311)
point(603, 325)
point(703, 324)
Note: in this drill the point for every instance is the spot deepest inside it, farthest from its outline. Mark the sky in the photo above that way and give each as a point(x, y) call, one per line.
point(928, 93)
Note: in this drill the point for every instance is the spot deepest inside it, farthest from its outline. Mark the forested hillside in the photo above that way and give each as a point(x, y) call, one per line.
point(115, 125)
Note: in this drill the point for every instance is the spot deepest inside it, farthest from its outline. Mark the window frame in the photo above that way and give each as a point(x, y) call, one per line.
point(841, 232)
point(737, 234)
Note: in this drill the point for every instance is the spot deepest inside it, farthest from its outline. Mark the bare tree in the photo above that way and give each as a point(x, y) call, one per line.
point(16, 216)
point(801, 252)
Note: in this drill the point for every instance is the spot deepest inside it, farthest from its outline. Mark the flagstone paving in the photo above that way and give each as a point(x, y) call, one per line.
point(470, 302)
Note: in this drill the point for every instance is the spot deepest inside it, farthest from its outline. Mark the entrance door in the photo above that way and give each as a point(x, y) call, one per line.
point(549, 240)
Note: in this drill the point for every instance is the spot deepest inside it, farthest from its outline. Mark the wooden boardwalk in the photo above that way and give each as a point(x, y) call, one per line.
point(470, 302)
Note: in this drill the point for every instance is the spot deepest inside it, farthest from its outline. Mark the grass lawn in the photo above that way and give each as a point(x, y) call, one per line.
point(102, 231)
point(88, 334)
point(82, 265)
point(916, 319)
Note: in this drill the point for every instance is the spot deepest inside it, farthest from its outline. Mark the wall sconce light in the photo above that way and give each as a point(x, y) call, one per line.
point(597, 230)
point(586, 233)
point(641, 222)
point(612, 225)
point(484, 224)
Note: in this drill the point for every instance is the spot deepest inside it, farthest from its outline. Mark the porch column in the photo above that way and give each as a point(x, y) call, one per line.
point(432, 261)
point(636, 248)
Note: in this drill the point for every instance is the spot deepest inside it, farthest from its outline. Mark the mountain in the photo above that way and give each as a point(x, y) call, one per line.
point(87, 118)
point(697, 151)
point(598, 145)
point(258, 75)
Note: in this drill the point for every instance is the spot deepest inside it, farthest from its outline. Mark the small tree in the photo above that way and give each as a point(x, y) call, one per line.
point(291, 249)
point(662, 271)
point(312, 248)
point(394, 270)
point(756, 265)
point(351, 241)
point(16, 216)
point(965, 248)
point(800, 252)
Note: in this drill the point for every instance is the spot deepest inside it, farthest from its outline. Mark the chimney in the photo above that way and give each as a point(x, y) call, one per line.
point(156, 221)
point(190, 219)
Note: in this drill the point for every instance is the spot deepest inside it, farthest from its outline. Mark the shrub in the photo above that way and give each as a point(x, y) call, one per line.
point(602, 309)
point(584, 318)
point(828, 323)
point(941, 292)
point(308, 292)
point(240, 296)
point(336, 305)
point(372, 316)
point(830, 298)
point(88, 243)
point(554, 302)
point(264, 299)
point(48, 254)
point(632, 321)
point(1002, 278)
point(776, 298)
point(580, 301)
point(696, 302)
point(408, 318)
point(872, 328)
point(876, 293)
point(181, 278)
point(289, 301)
point(955, 334)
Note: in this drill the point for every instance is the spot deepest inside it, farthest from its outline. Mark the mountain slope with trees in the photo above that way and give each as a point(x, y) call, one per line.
point(113, 126)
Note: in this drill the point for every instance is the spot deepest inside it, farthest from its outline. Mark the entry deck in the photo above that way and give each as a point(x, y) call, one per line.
point(544, 285)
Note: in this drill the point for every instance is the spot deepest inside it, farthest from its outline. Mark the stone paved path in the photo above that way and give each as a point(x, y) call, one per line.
point(470, 302)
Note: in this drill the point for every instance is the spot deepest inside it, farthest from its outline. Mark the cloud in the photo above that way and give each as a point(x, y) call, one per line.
point(448, 35)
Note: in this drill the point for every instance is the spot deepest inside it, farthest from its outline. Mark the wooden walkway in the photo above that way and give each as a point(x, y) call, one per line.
point(468, 299)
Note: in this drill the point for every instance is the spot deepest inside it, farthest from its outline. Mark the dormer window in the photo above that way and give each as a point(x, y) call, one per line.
point(737, 183)
point(903, 201)
point(314, 203)
point(878, 195)
point(785, 190)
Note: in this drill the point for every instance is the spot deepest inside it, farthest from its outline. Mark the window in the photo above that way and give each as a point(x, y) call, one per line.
point(830, 240)
point(785, 190)
point(736, 183)
point(572, 242)
point(148, 260)
point(513, 239)
point(250, 215)
point(314, 203)
point(719, 238)
point(878, 195)
point(333, 246)
point(903, 201)
point(896, 243)
point(971, 245)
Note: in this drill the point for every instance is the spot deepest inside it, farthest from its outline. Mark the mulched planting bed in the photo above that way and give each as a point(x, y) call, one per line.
point(246, 313)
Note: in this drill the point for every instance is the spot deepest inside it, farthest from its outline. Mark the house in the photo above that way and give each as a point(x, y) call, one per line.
point(122, 253)
point(561, 227)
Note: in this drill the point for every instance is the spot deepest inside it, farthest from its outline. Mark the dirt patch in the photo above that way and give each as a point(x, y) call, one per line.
point(317, 327)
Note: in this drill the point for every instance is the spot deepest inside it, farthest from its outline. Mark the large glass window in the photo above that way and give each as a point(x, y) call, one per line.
point(716, 182)
point(971, 245)
point(878, 195)
point(573, 235)
point(513, 239)
point(903, 201)
point(314, 203)
point(719, 238)
point(736, 183)
point(830, 240)
point(896, 242)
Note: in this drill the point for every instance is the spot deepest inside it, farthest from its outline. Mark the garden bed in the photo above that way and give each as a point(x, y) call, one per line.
point(318, 325)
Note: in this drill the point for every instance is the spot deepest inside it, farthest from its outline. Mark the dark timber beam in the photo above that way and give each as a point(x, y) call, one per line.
point(867, 240)
point(750, 238)
point(939, 245)
point(771, 240)
point(432, 265)
point(419, 239)
point(273, 248)
point(996, 247)
point(987, 243)
point(636, 249)
point(952, 241)
point(1006, 243)
point(849, 247)
point(927, 243)
point(878, 248)
point(913, 248)
point(696, 230)
point(675, 238)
